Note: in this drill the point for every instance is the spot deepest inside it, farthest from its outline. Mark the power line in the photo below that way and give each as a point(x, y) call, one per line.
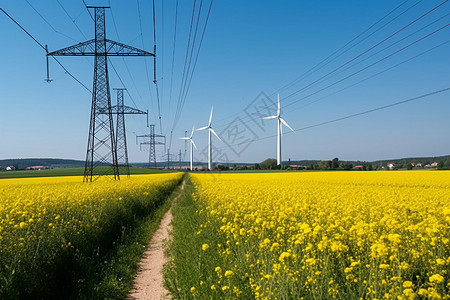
point(73, 20)
point(389, 46)
point(45, 20)
point(354, 115)
point(126, 65)
point(323, 64)
point(29, 34)
point(368, 50)
point(173, 59)
point(197, 55)
point(32, 37)
point(85, 5)
point(368, 66)
point(185, 64)
point(145, 59)
point(187, 80)
point(361, 70)
point(154, 66)
point(372, 76)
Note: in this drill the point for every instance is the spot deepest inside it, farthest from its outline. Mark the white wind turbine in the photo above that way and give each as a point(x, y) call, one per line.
point(280, 130)
point(209, 139)
point(192, 144)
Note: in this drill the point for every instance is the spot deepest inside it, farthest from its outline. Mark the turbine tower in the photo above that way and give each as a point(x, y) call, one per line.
point(280, 129)
point(101, 149)
point(192, 144)
point(209, 139)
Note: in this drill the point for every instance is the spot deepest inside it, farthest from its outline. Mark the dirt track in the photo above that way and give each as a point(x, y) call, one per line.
point(148, 283)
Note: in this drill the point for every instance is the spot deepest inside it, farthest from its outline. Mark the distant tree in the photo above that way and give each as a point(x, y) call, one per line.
point(409, 166)
point(257, 166)
point(441, 165)
point(220, 168)
point(345, 166)
point(269, 164)
point(325, 165)
point(335, 163)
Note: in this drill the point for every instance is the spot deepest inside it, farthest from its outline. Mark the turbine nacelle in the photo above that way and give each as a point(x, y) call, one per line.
point(281, 122)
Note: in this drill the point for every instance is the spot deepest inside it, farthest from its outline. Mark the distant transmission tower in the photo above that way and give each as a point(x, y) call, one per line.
point(101, 149)
point(121, 138)
point(152, 141)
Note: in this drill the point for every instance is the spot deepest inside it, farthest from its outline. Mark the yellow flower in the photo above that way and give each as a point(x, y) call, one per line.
point(408, 284)
point(436, 278)
point(205, 247)
point(23, 225)
point(229, 273)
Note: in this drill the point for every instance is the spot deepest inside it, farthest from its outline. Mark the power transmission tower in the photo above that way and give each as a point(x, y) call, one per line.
point(152, 136)
point(101, 149)
point(121, 138)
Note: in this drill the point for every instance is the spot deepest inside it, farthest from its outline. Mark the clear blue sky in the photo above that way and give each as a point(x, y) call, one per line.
point(250, 47)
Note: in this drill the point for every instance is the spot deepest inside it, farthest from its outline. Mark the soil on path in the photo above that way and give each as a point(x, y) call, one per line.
point(148, 283)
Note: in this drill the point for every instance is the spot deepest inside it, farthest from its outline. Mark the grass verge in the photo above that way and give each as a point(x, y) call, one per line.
point(189, 263)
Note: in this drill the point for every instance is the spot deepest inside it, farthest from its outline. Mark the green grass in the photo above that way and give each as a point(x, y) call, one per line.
point(67, 172)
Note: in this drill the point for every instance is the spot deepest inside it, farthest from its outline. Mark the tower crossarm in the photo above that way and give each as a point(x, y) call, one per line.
point(127, 110)
point(87, 48)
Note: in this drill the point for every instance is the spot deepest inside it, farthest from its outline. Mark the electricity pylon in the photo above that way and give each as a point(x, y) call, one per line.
point(101, 149)
point(152, 136)
point(120, 109)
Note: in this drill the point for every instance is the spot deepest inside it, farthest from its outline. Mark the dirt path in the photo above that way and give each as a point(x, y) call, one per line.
point(148, 283)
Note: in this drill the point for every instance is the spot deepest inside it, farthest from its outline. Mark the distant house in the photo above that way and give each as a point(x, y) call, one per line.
point(435, 164)
point(358, 167)
point(417, 165)
point(391, 166)
point(36, 168)
point(10, 168)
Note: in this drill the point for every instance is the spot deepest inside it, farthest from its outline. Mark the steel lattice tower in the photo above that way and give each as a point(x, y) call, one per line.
point(152, 142)
point(101, 149)
point(121, 138)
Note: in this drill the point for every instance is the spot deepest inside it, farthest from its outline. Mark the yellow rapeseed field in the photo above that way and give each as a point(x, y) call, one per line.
point(324, 235)
point(46, 223)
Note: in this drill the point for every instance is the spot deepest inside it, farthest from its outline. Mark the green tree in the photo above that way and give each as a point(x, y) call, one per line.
point(269, 164)
point(335, 163)
point(345, 166)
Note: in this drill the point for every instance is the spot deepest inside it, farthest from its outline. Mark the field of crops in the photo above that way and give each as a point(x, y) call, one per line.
point(324, 235)
point(55, 231)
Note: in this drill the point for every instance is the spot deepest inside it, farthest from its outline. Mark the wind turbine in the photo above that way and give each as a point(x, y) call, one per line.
point(192, 145)
point(280, 129)
point(209, 139)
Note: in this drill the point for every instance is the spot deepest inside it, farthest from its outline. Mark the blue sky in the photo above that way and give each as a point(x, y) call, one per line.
point(250, 47)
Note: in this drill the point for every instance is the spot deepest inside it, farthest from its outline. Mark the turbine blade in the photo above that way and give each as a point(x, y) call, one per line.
point(184, 138)
point(268, 118)
point(287, 125)
point(192, 141)
point(278, 112)
point(202, 128)
point(192, 133)
point(210, 117)
point(212, 130)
